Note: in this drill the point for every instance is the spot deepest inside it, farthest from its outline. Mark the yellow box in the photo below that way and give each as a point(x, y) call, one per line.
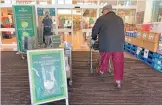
point(138, 42)
point(152, 46)
point(153, 37)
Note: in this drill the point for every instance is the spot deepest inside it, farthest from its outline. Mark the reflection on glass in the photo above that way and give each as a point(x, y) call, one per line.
point(127, 2)
point(128, 16)
point(7, 21)
point(64, 18)
point(89, 18)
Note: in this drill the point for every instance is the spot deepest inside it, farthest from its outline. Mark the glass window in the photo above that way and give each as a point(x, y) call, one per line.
point(65, 18)
point(140, 12)
point(89, 18)
point(66, 36)
point(8, 35)
point(128, 15)
point(46, 18)
point(127, 2)
point(157, 11)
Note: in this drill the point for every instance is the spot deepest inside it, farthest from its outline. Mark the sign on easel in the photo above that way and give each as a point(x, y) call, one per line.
point(47, 76)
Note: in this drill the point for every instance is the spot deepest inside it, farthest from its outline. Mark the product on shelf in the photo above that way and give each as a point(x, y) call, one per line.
point(145, 37)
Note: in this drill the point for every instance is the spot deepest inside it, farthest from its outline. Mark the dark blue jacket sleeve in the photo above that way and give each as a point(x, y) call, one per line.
point(96, 29)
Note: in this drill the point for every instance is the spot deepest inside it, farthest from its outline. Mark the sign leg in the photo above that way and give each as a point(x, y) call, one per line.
point(67, 101)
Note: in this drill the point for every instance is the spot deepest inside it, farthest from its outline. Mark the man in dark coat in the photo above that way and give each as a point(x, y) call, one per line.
point(47, 27)
point(110, 31)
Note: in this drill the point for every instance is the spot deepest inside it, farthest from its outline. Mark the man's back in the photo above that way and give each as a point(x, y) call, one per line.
point(111, 34)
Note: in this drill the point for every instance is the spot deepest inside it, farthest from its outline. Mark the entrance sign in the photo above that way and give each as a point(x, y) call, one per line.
point(25, 23)
point(47, 76)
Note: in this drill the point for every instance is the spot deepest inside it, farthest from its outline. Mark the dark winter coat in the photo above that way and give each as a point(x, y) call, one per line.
point(110, 31)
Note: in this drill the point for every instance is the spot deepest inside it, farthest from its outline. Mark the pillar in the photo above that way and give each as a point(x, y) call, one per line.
point(148, 11)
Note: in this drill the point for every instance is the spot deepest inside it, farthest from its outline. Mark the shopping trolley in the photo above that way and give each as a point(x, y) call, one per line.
point(94, 47)
point(54, 41)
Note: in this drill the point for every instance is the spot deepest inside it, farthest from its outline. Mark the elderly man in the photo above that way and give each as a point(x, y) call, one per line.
point(110, 31)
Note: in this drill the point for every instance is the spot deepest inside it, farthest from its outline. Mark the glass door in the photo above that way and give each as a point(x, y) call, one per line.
point(7, 31)
point(46, 18)
point(88, 21)
point(77, 16)
point(65, 24)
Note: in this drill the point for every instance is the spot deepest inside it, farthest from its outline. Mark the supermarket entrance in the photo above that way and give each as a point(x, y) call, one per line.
point(73, 24)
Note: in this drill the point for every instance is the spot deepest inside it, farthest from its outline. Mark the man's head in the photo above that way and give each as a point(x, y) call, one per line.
point(47, 13)
point(107, 9)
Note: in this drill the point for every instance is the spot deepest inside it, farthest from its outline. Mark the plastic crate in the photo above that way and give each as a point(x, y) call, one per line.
point(158, 67)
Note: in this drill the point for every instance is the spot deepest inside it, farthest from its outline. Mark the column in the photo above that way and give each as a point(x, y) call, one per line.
point(148, 11)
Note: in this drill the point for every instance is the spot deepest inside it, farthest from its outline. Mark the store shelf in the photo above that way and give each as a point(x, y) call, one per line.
point(153, 59)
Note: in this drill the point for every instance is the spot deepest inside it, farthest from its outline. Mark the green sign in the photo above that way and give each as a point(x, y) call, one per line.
point(52, 11)
point(47, 75)
point(40, 11)
point(25, 27)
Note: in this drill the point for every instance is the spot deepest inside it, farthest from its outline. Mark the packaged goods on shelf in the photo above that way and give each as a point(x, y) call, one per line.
point(129, 27)
point(146, 27)
point(160, 47)
point(145, 36)
point(153, 37)
point(131, 33)
point(139, 35)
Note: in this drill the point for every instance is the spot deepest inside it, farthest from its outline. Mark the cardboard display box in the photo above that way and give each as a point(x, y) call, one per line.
point(130, 40)
point(153, 37)
point(138, 42)
point(152, 46)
